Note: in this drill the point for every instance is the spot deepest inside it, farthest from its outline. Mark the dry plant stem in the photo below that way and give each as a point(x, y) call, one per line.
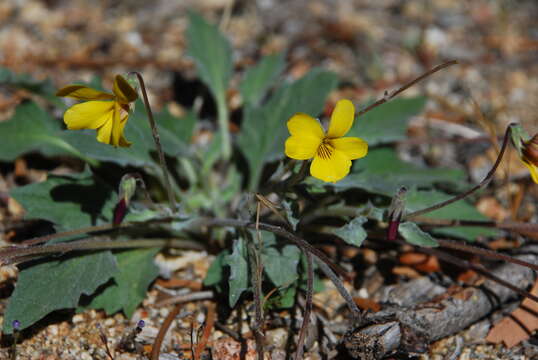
point(407, 86)
point(12, 255)
point(156, 138)
point(483, 183)
point(209, 323)
point(479, 269)
point(91, 229)
point(451, 244)
point(308, 306)
point(257, 272)
point(194, 296)
point(156, 349)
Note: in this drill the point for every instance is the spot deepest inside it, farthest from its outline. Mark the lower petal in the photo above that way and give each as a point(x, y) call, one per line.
point(332, 169)
point(104, 133)
point(89, 115)
point(353, 147)
point(532, 169)
point(302, 147)
point(117, 128)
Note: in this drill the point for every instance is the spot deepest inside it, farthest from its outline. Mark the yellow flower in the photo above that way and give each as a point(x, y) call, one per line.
point(331, 151)
point(529, 156)
point(105, 112)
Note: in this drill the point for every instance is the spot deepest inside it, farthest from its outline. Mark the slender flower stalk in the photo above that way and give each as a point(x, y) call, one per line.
point(157, 139)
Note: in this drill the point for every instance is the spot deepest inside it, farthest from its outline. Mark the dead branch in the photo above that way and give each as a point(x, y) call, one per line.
point(411, 329)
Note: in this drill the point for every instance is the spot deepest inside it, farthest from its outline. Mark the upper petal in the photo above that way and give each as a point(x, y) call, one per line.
point(302, 147)
point(82, 92)
point(352, 147)
point(331, 169)
point(89, 115)
point(302, 124)
point(123, 90)
point(532, 169)
point(341, 119)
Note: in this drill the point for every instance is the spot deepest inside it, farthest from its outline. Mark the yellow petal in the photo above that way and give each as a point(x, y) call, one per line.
point(82, 92)
point(532, 169)
point(302, 147)
point(89, 115)
point(331, 169)
point(123, 90)
point(352, 147)
point(104, 133)
point(120, 119)
point(305, 125)
point(341, 119)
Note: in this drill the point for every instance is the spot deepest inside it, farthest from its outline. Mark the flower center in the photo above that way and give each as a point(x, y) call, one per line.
point(325, 150)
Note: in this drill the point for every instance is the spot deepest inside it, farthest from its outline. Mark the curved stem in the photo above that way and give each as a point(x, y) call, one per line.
point(483, 183)
point(156, 138)
point(12, 255)
point(388, 97)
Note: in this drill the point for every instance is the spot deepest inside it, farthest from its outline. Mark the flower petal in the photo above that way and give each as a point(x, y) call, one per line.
point(305, 125)
point(104, 133)
point(353, 147)
point(123, 90)
point(89, 115)
point(341, 119)
point(533, 169)
point(81, 92)
point(302, 147)
point(335, 168)
point(120, 120)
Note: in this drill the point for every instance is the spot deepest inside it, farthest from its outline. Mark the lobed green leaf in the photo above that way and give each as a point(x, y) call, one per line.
point(414, 235)
point(136, 271)
point(48, 286)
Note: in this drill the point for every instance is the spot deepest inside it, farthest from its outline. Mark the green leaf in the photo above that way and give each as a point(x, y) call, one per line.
point(32, 129)
point(281, 267)
point(387, 122)
point(215, 272)
point(211, 53)
point(290, 210)
point(260, 78)
point(282, 299)
point(69, 202)
point(49, 286)
point(181, 128)
point(461, 210)
point(382, 172)
point(264, 131)
point(238, 281)
point(353, 233)
point(414, 235)
point(136, 272)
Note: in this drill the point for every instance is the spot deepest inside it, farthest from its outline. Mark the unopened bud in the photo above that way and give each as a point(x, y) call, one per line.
point(530, 150)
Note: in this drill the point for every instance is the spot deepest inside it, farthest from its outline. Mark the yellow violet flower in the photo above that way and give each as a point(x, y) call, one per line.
point(331, 151)
point(529, 156)
point(107, 113)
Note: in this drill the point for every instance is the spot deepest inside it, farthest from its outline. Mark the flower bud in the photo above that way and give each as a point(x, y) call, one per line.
point(530, 150)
